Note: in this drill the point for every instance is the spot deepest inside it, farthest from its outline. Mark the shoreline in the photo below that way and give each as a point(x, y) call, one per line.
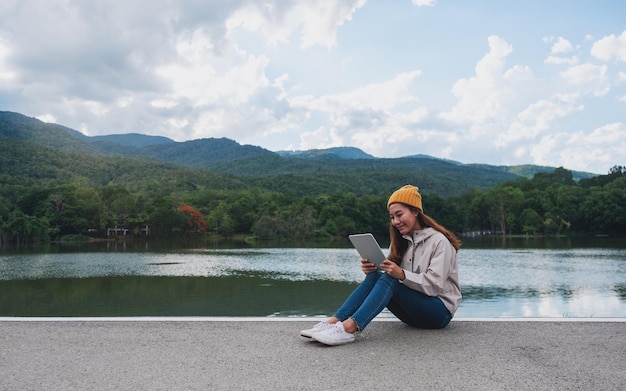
point(273, 319)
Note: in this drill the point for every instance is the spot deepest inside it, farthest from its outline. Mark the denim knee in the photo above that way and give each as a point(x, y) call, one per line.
point(392, 282)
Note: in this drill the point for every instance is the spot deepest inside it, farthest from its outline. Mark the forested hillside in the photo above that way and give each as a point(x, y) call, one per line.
point(224, 155)
point(346, 170)
point(56, 182)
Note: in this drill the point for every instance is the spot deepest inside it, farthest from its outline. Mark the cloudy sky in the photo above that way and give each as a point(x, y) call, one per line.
point(497, 82)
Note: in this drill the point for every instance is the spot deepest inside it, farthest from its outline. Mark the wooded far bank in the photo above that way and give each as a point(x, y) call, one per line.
point(55, 185)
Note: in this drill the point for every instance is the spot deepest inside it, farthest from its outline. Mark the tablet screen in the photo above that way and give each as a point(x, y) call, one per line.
point(367, 247)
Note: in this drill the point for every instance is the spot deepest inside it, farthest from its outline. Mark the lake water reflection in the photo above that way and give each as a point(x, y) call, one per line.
point(506, 281)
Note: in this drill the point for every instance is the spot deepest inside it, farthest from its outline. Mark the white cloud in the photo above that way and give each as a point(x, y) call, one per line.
point(562, 60)
point(317, 21)
point(603, 147)
point(178, 73)
point(588, 78)
point(609, 47)
point(199, 76)
point(485, 104)
point(561, 46)
point(49, 118)
point(592, 152)
point(424, 3)
point(320, 138)
point(363, 117)
point(483, 97)
point(397, 133)
point(376, 96)
point(537, 119)
point(480, 96)
point(610, 134)
point(6, 73)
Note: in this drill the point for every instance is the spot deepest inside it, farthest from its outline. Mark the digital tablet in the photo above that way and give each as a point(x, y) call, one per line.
point(368, 248)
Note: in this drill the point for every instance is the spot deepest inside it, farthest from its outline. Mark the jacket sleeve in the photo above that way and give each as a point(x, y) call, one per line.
point(431, 281)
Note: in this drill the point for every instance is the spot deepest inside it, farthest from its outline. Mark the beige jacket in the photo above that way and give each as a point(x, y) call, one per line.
point(430, 267)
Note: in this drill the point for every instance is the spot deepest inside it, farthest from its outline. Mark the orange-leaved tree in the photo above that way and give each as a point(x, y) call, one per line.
point(196, 221)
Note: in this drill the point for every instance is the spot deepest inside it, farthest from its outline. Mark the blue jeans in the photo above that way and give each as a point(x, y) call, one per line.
point(379, 290)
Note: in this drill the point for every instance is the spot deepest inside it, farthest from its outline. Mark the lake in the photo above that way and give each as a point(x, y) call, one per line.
point(499, 278)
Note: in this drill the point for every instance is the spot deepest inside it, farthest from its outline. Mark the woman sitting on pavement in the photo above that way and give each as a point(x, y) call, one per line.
point(418, 282)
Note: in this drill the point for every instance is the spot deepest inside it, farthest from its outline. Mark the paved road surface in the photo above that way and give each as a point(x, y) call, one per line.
point(264, 354)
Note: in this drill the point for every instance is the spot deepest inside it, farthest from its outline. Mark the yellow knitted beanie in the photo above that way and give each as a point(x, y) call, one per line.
point(408, 195)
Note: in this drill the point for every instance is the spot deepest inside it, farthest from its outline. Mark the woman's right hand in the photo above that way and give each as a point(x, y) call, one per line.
point(367, 266)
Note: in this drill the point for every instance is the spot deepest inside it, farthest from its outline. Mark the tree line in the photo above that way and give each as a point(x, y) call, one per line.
point(547, 204)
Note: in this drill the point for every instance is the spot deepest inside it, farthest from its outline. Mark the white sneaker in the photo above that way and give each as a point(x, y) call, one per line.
point(334, 335)
point(321, 326)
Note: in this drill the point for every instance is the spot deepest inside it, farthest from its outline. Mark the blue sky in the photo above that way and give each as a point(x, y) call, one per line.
point(496, 82)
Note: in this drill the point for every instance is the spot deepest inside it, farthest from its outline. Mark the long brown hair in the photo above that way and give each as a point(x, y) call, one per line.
point(399, 245)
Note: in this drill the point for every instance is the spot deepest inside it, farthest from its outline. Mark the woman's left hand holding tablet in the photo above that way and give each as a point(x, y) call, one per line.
point(367, 267)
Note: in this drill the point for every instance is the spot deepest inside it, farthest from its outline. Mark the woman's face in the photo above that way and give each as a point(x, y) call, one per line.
point(403, 219)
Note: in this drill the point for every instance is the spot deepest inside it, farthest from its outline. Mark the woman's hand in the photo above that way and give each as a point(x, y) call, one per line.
point(392, 269)
point(367, 266)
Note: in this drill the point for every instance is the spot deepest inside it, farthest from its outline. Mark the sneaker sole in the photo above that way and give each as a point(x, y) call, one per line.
point(333, 343)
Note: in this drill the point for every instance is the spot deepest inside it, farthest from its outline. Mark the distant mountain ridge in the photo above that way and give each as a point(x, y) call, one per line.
point(329, 153)
point(19, 127)
point(322, 168)
point(135, 140)
point(202, 153)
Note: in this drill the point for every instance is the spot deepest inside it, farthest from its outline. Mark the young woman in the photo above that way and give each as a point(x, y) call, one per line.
point(418, 282)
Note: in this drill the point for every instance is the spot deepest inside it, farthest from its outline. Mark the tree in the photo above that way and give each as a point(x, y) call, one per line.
point(503, 205)
point(605, 207)
point(531, 221)
point(21, 228)
point(266, 227)
point(165, 219)
point(243, 212)
point(195, 220)
point(479, 213)
point(220, 218)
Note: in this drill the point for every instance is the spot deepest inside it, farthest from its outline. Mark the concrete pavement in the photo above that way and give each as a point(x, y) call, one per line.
point(269, 354)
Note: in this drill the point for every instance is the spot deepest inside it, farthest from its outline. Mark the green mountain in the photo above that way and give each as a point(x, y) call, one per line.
point(134, 140)
point(14, 126)
point(36, 152)
point(330, 153)
point(204, 153)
